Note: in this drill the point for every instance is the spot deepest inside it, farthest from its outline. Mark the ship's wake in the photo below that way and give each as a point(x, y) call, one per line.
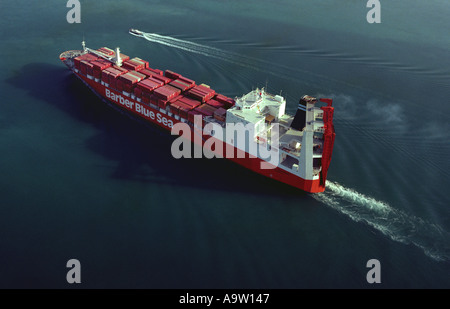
point(205, 50)
point(278, 70)
point(394, 223)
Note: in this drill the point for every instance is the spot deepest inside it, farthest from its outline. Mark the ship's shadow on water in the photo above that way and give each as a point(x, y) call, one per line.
point(142, 151)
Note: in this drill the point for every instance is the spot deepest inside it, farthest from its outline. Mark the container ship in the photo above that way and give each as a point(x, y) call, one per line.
point(304, 142)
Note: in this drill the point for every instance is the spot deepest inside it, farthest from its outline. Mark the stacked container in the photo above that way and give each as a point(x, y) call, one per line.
point(86, 57)
point(155, 71)
point(110, 75)
point(163, 89)
point(220, 114)
point(202, 93)
point(215, 103)
point(107, 51)
point(99, 66)
point(180, 109)
point(228, 102)
point(126, 81)
point(180, 84)
point(163, 79)
point(206, 110)
point(139, 60)
point(172, 75)
point(163, 95)
point(135, 64)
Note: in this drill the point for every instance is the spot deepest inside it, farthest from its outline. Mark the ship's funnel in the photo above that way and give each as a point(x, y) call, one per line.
point(300, 116)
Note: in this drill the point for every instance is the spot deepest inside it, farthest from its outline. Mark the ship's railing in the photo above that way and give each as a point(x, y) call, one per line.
point(321, 130)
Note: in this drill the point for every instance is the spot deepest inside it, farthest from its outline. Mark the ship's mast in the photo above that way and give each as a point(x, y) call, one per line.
point(83, 44)
point(118, 59)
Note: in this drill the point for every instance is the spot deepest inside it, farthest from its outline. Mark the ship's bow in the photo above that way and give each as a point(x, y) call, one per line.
point(68, 56)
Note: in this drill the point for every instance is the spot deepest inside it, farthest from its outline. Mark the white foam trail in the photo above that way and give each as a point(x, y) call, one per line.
point(204, 50)
point(394, 223)
point(280, 71)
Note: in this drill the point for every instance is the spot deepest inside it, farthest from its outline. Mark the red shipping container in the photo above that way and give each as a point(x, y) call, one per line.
point(220, 114)
point(148, 85)
point(172, 75)
point(205, 109)
point(167, 92)
point(191, 115)
point(112, 84)
point(97, 74)
point(83, 69)
point(174, 106)
point(105, 76)
point(146, 95)
point(175, 103)
point(128, 88)
point(128, 78)
point(184, 110)
point(186, 80)
point(156, 71)
point(202, 93)
point(154, 100)
point(164, 79)
point(203, 88)
point(189, 101)
point(90, 68)
point(215, 103)
point(132, 65)
point(161, 103)
point(181, 109)
point(86, 57)
point(147, 72)
point(120, 69)
point(119, 85)
point(105, 50)
point(138, 75)
point(101, 64)
point(228, 102)
point(145, 63)
point(156, 81)
point(113, 77)
point(198, 96)
point(76, 62)
point(180, 85)
point(146, 88)
point(138, 92)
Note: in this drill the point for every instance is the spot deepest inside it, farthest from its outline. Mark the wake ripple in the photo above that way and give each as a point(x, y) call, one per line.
point(394, 223)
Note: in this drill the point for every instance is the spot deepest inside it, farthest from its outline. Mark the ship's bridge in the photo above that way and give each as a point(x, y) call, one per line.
point(257, 110)
point(262, 103)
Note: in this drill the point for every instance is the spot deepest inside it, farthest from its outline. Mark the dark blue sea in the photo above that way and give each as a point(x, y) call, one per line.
point(79, 180)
